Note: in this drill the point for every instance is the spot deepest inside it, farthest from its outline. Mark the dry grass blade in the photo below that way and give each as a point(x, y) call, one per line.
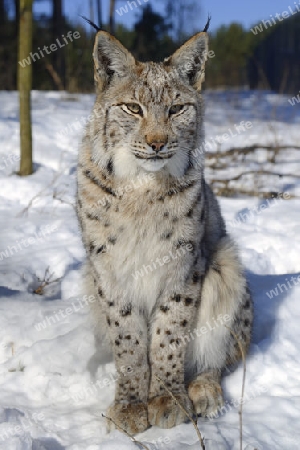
point(243, 385)
point(125, 432)
point(185, 412)
point(39, 194)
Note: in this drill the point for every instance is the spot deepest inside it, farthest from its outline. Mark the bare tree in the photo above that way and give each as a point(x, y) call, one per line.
point(17, 17)
point(99, 13)
point(112, 22)
point(58, 30)
point(183, 15)
point(24, 86)
point(92, 11)
point(2, 12)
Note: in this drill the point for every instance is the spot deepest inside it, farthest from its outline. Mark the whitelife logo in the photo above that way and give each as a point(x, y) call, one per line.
point(53, 47)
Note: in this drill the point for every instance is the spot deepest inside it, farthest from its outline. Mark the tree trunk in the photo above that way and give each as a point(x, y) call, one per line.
point(112, 25)
point(2, 13)
point(92, 11)
point(58, 31)
point(24, 86)
point(99, 13)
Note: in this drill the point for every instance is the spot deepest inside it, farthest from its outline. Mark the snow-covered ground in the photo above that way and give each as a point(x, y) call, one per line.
point(52, 392)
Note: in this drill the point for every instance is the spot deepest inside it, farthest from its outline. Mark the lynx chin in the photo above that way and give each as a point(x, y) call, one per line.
point(152, 123)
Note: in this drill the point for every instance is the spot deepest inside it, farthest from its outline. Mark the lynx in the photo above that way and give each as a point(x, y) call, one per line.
point(169, 284)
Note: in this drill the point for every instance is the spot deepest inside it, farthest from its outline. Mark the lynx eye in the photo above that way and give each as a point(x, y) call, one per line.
point(175, 109)
point(134, 108)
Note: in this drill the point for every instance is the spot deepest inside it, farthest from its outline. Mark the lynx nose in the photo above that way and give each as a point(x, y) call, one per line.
point(157, 146)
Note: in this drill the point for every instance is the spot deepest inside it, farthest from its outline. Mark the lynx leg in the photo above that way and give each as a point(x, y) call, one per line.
point(128, 334)
point(119, 322)
point(205, 392)
point(174, 318)
point(129, 340)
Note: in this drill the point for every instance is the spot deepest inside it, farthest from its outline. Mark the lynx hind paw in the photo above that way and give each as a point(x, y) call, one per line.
point(132, 417)
point(164, 412)
point(206, 395)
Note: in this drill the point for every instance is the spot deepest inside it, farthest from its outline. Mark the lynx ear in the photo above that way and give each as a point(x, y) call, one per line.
point(110, 58)
point(189, 59)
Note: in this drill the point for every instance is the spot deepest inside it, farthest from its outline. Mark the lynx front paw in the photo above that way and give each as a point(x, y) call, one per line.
point(164, 412)
point(206, 395)
point(132, 417)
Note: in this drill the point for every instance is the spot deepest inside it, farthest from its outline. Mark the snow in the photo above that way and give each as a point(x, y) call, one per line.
point(53, 390)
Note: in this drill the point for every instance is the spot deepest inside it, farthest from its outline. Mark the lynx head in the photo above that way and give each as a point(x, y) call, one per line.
point(150, 114)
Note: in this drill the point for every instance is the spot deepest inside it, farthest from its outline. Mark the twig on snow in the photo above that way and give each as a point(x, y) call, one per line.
point(45, 282)
point(26, 209)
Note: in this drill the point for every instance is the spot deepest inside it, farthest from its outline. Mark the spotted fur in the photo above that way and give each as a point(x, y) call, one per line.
point(158, 256)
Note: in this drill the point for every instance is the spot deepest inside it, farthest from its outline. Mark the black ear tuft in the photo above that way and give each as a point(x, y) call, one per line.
point(207, 24)
point(91, 23)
